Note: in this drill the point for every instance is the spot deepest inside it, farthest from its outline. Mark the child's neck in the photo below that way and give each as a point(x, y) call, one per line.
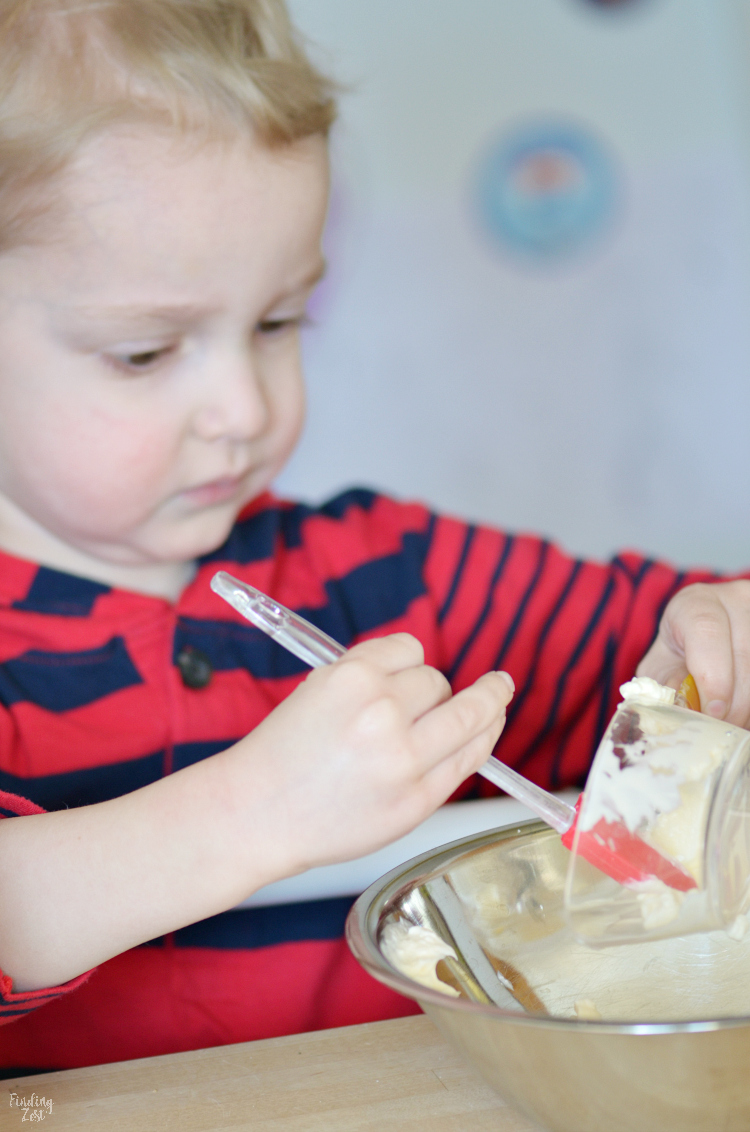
point(24, 538)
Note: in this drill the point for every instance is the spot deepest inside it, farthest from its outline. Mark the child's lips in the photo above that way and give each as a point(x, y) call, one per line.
point(215, 491)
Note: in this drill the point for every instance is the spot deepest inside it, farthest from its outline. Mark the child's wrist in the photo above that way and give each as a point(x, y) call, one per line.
point(246, 808)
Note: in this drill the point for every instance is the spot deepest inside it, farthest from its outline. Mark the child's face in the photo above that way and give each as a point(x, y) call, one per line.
point(150, 380)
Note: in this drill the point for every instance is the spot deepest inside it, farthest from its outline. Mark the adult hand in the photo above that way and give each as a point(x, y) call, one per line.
point(705, 630)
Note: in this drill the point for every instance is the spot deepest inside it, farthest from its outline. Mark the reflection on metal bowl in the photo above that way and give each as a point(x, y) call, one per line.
point(650, 1037)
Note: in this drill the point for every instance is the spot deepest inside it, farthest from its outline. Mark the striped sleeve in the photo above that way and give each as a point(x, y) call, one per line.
point(14, 1004)
point(568, 631)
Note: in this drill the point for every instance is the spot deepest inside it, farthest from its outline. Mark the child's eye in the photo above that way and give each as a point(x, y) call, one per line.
point(272, 326)
point(140, 360)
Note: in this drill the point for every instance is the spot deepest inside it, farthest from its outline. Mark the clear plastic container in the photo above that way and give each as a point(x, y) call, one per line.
point(680, 781)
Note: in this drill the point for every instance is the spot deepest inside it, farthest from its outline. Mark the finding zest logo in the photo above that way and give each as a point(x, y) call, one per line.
point(33, 1108)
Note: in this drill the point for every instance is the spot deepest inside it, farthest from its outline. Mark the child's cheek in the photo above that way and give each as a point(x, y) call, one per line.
point(104, 471)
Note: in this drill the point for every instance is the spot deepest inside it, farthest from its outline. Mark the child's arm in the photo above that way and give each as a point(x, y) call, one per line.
point(705, 630)
point(360, 753)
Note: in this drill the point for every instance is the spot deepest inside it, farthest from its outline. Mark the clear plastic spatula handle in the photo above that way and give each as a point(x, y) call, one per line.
point(546, 806)
point(316, 648)
point(296, 635)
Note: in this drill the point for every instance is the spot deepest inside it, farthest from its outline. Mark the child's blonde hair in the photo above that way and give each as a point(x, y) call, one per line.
point(69, 68)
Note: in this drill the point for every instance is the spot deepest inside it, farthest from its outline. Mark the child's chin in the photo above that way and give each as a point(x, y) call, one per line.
point(202, 536)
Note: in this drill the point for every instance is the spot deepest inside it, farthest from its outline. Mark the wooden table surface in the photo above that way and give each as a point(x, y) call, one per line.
point(380, 1077)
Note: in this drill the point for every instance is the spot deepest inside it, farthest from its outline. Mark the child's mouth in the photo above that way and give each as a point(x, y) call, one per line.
point(216, 491)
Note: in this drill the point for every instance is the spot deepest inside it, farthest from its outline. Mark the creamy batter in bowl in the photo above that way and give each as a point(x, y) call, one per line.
point(646, 1036)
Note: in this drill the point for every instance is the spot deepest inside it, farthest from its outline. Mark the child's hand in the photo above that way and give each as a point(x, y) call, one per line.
point(705, 630)
point(359, 754)
point(365, 749)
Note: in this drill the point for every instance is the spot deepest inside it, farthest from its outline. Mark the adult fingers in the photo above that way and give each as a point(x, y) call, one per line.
point(696, 626)
point(736, 598)
point(709, 654)
point(662, 664)
point(706, 630)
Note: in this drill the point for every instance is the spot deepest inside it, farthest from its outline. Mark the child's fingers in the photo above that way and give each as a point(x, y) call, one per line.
point(451, 726)
point(444, 778)
point(390, 654)
point(418, 690)
point(361, 672)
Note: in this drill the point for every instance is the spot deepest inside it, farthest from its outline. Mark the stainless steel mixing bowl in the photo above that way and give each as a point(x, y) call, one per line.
point(672, 1048)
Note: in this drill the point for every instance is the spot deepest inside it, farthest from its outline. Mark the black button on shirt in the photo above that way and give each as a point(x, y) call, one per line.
point(195, 667)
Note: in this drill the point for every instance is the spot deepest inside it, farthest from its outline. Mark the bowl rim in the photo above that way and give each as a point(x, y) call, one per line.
point(366, 912)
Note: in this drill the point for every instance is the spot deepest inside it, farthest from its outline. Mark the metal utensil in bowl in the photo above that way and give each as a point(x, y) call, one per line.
point(643, 1037)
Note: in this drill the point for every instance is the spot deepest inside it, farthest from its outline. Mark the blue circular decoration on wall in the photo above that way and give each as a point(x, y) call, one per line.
point(546, 190)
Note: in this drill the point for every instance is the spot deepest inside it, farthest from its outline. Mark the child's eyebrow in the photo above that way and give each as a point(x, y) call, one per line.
point(177, 314)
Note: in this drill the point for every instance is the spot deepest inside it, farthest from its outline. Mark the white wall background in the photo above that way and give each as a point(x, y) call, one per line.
point(603, 400)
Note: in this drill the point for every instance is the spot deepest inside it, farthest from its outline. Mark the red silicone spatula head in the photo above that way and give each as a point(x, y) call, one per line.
point(624, 856)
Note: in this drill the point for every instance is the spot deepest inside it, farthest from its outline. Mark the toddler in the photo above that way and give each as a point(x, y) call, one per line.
point(163, 187)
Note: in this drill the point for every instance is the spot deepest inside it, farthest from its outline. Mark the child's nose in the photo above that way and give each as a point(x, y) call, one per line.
point(233, 402)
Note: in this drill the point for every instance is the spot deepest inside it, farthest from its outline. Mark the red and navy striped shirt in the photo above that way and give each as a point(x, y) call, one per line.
point(94, 703)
